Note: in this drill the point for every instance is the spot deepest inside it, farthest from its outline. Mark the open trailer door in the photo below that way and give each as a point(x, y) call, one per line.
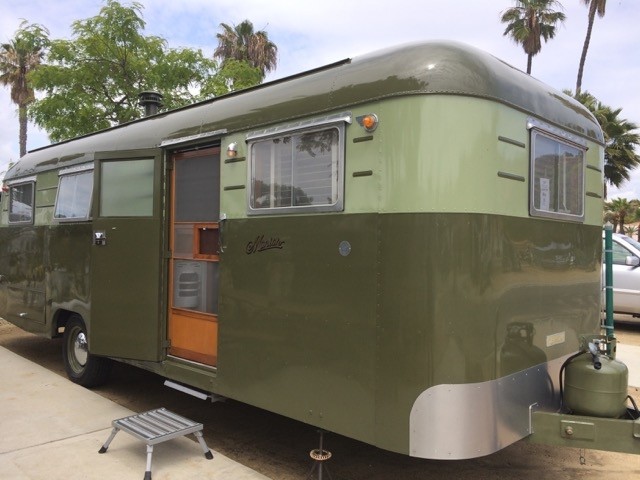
point(126, 261)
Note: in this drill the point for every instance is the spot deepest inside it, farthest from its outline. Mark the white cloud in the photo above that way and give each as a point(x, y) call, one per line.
point(311, 35)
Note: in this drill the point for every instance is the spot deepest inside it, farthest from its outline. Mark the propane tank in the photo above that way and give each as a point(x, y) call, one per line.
point(596, 385)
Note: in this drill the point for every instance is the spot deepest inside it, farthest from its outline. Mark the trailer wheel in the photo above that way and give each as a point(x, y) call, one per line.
point(82, 367)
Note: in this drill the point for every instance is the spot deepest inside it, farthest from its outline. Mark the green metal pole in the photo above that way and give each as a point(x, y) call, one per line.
point(608, 281)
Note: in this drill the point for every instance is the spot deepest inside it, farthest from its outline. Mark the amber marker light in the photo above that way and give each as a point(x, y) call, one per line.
point(232, 150)
point(369, 122)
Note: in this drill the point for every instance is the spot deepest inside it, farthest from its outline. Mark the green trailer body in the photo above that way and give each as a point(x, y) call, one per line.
point(423, 309)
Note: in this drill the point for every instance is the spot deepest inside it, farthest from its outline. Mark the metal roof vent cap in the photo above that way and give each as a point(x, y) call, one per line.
point(151, 101)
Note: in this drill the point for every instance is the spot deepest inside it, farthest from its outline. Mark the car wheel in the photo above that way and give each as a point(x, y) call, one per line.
point(82, 367)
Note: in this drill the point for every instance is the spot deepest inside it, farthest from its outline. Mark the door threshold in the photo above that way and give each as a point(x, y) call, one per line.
point(193, 363)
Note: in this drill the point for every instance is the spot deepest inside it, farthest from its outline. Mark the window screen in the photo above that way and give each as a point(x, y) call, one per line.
point(297, 171)
point(21, 203)
point(74, 196)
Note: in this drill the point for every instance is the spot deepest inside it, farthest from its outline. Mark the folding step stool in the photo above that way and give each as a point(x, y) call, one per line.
point(157, 426)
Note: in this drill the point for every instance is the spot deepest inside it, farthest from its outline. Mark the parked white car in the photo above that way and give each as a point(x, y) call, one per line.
point(626, 275)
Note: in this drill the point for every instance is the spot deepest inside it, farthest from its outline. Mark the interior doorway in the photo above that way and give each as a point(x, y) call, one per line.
point(194, 262)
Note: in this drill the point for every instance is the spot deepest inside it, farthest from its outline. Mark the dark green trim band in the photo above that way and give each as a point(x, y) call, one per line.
point(234, 160)
point(362, 139)
point(511, 141)
point(593, 194)
point(591, 167)
point(234, 187)
point(511, 176)
point(365, 173)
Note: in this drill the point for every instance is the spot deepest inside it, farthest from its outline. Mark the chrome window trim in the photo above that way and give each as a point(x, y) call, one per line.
point(557, 135)
point(88, 168)
point(338, 122)
point(19, 181)
point(344, 117)
point(191, 138)
point(14, 184)
point(575, 140)
point(76, 169)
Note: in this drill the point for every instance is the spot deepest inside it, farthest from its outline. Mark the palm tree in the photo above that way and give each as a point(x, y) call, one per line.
point(18, 58)
point(530, 21)
point(594, 6)
point(244, 44)
point(621, 139)
point(620, 144)
point(619, 207)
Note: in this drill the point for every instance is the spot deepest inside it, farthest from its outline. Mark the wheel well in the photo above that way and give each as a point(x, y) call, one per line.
point(60, 321)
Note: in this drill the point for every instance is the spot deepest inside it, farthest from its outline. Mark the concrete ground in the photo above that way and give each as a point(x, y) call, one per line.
point(51, 428)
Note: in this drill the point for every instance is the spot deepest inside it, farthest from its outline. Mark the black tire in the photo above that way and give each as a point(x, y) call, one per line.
point(82, 367)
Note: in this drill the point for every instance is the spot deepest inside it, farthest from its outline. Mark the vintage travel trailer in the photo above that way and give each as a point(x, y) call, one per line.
point(403, 248)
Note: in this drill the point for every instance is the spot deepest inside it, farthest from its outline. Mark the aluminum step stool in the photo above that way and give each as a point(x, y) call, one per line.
point(157, 426)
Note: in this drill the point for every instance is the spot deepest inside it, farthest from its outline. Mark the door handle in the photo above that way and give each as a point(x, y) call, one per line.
point(221, 229)
point(99, 237)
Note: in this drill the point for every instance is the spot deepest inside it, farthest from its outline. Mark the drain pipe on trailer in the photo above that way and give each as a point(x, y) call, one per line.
point(608, 289)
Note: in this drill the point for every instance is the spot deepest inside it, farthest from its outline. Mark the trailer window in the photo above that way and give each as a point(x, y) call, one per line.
point(297, 171)
point(557, 178)
point(74, 196)
point(126, 188)
point(21, 203)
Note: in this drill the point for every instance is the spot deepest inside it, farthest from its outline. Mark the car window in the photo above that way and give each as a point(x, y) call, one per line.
point(620, 254)
point(631, 242)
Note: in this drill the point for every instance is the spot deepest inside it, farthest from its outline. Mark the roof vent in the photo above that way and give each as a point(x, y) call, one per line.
point(151, 101)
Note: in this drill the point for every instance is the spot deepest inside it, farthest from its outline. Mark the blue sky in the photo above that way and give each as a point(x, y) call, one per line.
point(311, 34)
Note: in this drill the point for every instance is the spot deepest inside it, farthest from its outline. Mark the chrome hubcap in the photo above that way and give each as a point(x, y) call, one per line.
point(80, 348)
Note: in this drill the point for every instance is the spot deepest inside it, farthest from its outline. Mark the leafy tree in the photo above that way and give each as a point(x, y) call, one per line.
point(595, 6)
point(244, 44)
point(529, 22)
point(621, 139)
point(234, 75)
point(93, 81)
point(20, 56)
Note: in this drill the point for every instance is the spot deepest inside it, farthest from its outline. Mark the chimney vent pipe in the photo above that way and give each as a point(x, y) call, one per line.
point(151, 101)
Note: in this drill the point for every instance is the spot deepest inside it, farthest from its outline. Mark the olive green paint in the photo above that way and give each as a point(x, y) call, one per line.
point(428, 68)
point(129, 268)
point(340, 320)
point(349, 342)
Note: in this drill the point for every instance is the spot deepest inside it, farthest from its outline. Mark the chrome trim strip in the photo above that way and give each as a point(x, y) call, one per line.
point(20, 181)
point(77, 169)
point(189, 138)
point(314, 122)
point(459, 421)
point(557, 132)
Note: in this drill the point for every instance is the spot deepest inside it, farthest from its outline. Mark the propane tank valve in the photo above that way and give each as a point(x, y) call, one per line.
point(595, 356)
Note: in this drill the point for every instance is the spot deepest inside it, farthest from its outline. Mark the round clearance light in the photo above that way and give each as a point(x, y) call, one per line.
point(232, 150)
point(369, 122)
